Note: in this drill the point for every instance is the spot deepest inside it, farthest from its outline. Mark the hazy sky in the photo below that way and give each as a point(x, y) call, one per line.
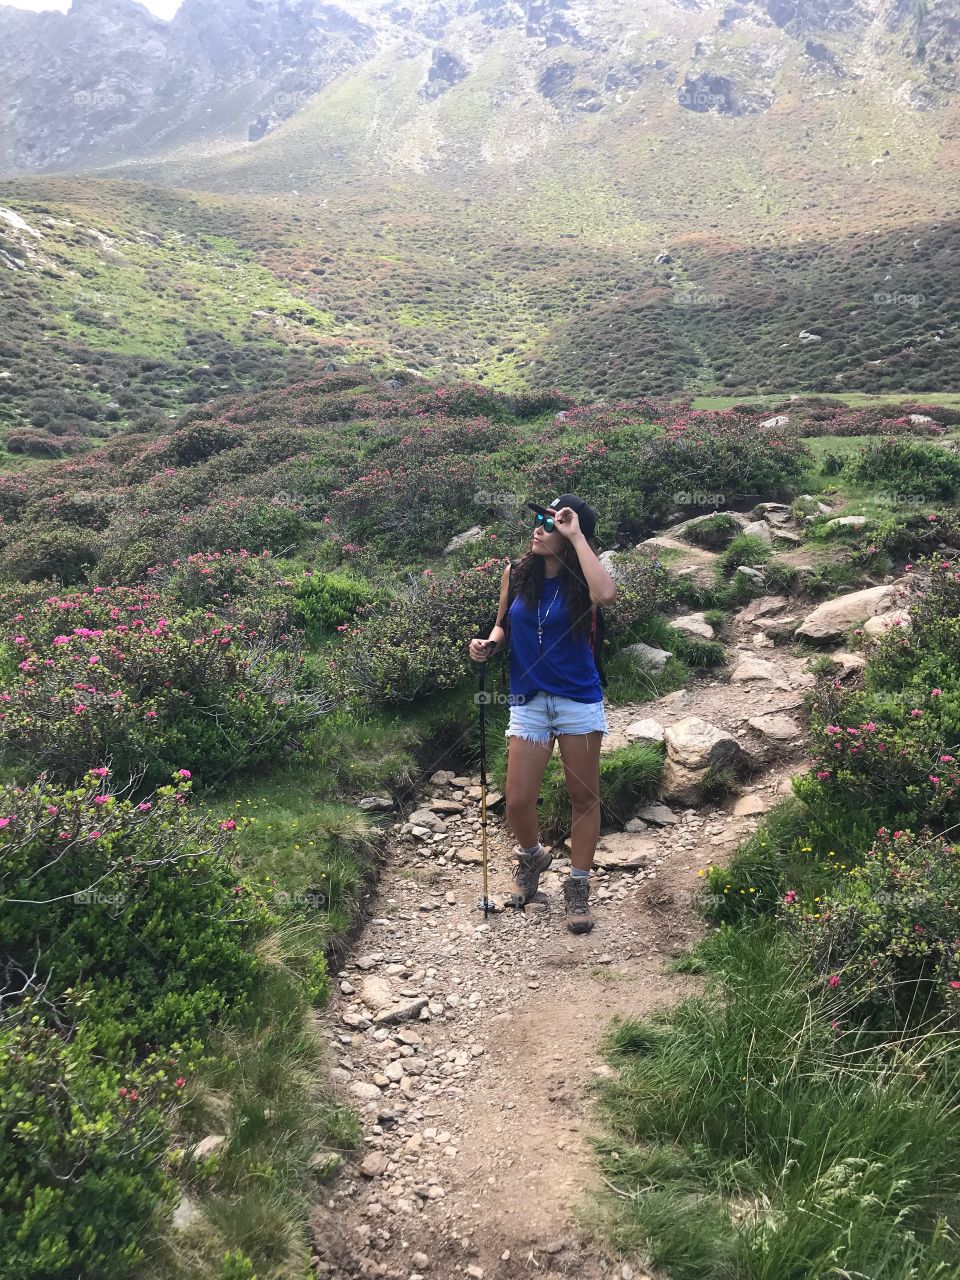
point(162, 8)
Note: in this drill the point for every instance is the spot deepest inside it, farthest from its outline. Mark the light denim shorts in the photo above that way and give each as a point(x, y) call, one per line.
point(545, 715)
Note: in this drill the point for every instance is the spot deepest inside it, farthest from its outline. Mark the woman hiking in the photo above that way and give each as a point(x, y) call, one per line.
point(546, 611)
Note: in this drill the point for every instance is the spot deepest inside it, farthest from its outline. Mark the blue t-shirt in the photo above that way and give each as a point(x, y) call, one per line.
point(564, 664)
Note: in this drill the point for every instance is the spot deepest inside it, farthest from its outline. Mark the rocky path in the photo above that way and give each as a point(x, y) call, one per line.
point(470, 1045)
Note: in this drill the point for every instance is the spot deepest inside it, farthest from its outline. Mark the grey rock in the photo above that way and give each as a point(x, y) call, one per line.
point(472, 534)
point(402, 1012)
point(647, 656)
point(760, 529)
point(645, 731)
point(846, 522)
point(380, 803)
point(659, 814)
point(778, 728)
point(694, 624)
point(762, 607)
point(834, 617)
point(759, 669)
point(696, 744)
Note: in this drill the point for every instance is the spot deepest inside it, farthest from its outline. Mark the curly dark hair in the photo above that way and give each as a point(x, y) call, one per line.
point(528, 573)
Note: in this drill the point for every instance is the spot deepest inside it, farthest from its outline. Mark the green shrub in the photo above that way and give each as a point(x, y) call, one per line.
point(82, 1142)
point(628, 777)
point(237, 1266)
point(645, 588)
point(196, 443)
point(405, 647)
point(66, 553)
point(746, 548)
point(908, 467)
point(888, 933)
point(410, 508)
point(329, 601)
point(131, 909)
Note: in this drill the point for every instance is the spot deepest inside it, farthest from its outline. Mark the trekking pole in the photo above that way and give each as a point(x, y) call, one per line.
point(484, 905)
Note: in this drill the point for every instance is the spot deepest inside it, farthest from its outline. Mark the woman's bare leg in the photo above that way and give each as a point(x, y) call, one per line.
point(580, 753)
point(526, 764)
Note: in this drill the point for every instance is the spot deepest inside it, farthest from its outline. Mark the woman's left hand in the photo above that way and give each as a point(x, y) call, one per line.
point(567, 522)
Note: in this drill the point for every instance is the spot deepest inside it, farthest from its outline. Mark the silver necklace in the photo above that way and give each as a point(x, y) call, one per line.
point(541, 621)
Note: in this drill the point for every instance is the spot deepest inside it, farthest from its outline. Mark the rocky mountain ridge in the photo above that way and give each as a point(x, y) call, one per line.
point(107, 83)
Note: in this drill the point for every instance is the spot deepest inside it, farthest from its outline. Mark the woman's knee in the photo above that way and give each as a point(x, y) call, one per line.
point(583, 797)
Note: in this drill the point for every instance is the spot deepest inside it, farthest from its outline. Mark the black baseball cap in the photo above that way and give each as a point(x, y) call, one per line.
point(586, 513)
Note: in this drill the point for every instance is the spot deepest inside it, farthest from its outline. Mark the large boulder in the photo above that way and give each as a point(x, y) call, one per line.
point(777, 728)
point(696, 744)
point(684, 786)
point(835, 617)
point(759, 529)
point(749, 668)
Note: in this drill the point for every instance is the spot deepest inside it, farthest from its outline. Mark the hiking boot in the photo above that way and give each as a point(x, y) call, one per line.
point(526, 875)
point(576, 896)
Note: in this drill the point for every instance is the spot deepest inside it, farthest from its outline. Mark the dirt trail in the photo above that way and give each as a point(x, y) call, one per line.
point(477, 1108)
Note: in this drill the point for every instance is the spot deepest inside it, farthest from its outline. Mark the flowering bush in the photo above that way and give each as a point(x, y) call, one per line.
point(127, 910)
point(638, 474)
point(887, 758)
point(888, 754)
point(415, 507)
point(218, 579)
point(149, 693)
point(888, 934)
point(126, 935)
